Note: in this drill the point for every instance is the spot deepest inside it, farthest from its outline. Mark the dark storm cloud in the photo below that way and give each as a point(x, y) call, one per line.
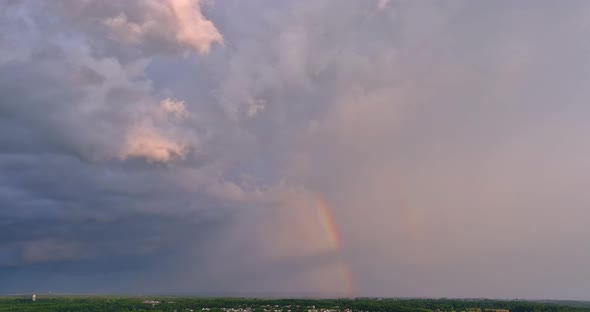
point(49, 217)
point(72, 199)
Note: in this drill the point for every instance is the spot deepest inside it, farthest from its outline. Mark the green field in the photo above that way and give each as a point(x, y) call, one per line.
point(116, 304)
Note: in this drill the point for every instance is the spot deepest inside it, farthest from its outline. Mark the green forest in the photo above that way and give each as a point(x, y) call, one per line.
point(178, 304)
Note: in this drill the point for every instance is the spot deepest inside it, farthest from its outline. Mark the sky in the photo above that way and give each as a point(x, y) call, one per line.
point(295, 148)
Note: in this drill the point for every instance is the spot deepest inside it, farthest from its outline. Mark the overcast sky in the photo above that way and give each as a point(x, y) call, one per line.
point(289, 148)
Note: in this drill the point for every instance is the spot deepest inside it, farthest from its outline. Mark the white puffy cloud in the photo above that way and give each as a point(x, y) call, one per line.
point(145, 142)
point(177, 22)
point(153, 136)
point(174, 109)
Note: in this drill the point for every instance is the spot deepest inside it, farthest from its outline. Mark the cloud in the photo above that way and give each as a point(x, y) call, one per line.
point(124, 30)
point(147, 143)
point(80, 113)
point(255, 108)
point(382, 4)
point(178, 22)
point(49, 250)
point(175, 109)
point(135, 139)
point(153, 138)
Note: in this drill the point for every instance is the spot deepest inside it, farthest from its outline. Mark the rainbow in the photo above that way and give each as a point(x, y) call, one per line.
point(326, 219)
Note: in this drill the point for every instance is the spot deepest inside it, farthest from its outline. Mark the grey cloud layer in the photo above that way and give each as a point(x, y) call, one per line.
point(180, 145)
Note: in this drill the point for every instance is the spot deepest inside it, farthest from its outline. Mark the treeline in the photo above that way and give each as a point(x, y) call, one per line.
point(121, 304)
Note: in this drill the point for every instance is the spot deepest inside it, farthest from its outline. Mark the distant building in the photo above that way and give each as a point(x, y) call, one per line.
point(34, 297)
point(152, 302)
